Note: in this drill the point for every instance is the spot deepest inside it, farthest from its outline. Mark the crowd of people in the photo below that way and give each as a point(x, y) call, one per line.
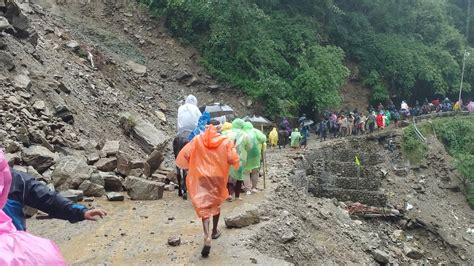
point(215, 162)
point(343, 123)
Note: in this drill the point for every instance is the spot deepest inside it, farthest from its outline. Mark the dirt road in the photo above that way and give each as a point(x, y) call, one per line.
point(136, 232)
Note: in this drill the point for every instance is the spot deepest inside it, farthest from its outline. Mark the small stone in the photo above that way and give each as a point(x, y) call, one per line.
point(72, 195)
point(412, 253)
point(380, 256)
point(137, 68)
point(73, 46)
point(39, 105)
point(174, 241)
point(89, 199)
point(115, 196)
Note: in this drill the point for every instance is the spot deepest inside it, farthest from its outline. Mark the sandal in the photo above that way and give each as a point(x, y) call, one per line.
point(217, 235)
point(205, 251)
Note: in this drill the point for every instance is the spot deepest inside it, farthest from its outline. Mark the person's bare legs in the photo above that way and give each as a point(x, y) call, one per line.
point(215, 222)
point(207, 237)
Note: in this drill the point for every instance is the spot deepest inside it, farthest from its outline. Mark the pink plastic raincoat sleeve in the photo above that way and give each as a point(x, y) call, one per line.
point(18, 247)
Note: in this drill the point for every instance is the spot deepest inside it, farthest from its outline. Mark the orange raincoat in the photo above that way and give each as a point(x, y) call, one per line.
point(208, 158)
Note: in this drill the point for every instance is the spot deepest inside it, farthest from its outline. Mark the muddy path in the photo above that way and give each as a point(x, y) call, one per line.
point(136, 232)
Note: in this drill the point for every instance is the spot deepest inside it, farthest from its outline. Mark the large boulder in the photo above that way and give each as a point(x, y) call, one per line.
point(70, 172)
point(154, 161)
point(92, 190)
point(142, 189)
point(241, 217)
point(112, 182)
point(39, 157)
point(124, 165)
point(146, 134)
point(106, 164)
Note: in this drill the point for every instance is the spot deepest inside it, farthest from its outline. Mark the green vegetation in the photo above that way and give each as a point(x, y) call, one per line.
point(457, 134)
point(290, 55)
point(412, 147)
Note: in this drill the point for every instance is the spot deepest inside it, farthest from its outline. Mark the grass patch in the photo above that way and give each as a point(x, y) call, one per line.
point(413, 148)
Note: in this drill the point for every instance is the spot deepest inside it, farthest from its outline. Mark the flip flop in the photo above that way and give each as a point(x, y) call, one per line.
point(205, 251)
point(217, 235)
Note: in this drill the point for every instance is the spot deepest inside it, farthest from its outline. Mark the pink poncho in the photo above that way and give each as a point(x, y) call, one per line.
point(18, 247)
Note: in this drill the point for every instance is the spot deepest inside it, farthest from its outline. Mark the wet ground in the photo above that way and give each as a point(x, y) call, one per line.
point(136, 232)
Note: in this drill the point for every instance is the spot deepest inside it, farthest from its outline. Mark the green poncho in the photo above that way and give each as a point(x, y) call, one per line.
point(295, 139)
point(243, 145)
point(387, 118)
point(257, 139)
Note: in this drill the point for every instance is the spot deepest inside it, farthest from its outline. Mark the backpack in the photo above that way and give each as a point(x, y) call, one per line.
point(282, 126)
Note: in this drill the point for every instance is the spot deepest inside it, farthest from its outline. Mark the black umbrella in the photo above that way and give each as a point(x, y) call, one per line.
point(218, 109)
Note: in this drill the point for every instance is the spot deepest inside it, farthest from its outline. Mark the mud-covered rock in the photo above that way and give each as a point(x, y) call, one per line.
point(241, 217)
point(380, 256)
point(142, 189)
point(111, 148)
point(147, 136)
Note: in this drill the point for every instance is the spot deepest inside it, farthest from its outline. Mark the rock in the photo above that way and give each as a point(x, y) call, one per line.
point(123, 164)
point(13, 158)
point(88, 199)
point(244, 216)
point(63, 112)
point(170, 187)
point(158, 177)
point(20, 23)
point(22, 82)
point(73, 46)
point(6, 61)
point(39, 157)
point(111, 147)
point(384, 172)
point(115, 196)
point(137, 164)
point(73, 195)
point(32, 172)
point(38, 137)
point(136, 172)
point(174, 241)
point(469, 237)
point(183, 76)
point(97, 178)
point(401, 172)
point(137, 68)
point(154, 161)
point(106, 164)
point(412, 253)
point(4, 24)
point(39, 106)
point(62, 87)
point(142, 189)
point(13, 147)
point(148, 137)
point(93, 158)
point(380, 256)
point(288, 237)
point(92, 190)
point(70, 172)
point(161, 115)
point(112, 182)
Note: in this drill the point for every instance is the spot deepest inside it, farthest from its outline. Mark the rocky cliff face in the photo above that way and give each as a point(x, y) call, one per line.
point(70, 73)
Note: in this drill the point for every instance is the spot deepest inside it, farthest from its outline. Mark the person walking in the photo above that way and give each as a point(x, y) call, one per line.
point(304, 136)
point(254, 156)
point(273, 137)
point(295, 139)
point(208, 159)
point(188, 117)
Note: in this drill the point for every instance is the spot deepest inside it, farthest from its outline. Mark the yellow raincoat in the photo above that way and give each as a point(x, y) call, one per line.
point(273, 136)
